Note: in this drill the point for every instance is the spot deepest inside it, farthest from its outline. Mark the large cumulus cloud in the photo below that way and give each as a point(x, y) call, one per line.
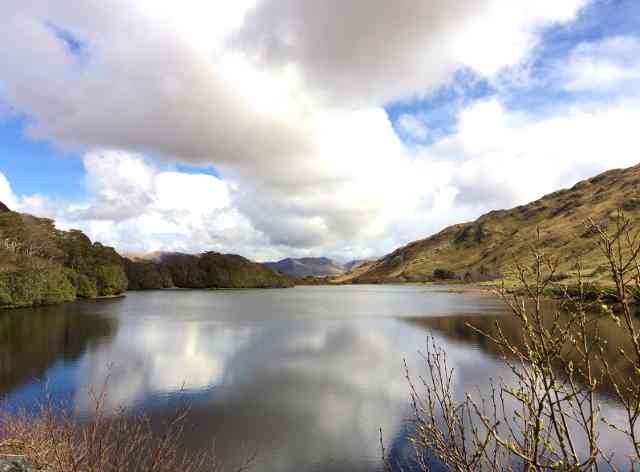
point(130, 75)
point(286, 99)
point(377, 51)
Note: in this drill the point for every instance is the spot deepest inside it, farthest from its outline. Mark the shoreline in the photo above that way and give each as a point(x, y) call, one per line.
point(79, 299)
point(124, 295)
point(104, 297)
point(471, 289)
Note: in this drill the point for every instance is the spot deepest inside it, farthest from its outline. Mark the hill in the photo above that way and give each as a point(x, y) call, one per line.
point(207, 270)
point(42, 265)
point(485, 248)
point(307, 267)
point(351, 265)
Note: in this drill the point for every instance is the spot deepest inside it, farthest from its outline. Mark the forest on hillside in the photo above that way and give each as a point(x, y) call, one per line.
point(42, 265)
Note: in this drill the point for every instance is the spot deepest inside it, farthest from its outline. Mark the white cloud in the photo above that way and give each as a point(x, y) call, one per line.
point(374, 51)
point(288, 106)
point(508, 158)
point(496, 159)
point(121, 184)
point(140, 208)
point(152, 78)
point(389, 195)
point(412, 127)
point(6, 193)
point(605, 64)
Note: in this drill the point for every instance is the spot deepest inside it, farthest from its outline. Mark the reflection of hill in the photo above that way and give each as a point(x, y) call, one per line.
point(456, 328)
point(31, 342)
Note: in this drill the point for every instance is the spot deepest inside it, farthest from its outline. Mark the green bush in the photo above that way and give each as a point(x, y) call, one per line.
point(36, 286)
point(145, 275)
point(111, 280)
point(84, 286)
point(5, 293)
point(56, 287)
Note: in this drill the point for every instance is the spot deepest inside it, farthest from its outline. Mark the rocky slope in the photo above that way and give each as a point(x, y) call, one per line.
point(488, 247)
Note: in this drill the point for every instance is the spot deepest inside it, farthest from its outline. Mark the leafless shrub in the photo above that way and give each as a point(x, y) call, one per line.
point(548, 416)
point(52, 438)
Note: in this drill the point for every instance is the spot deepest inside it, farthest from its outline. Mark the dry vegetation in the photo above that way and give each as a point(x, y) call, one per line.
point(52, 438)
point(549, 416)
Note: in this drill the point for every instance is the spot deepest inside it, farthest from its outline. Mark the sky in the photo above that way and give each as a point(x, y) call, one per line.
point(276, 128)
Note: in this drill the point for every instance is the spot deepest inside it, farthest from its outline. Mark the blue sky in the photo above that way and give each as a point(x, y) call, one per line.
point(599, 20)
point(37, 166)
point(201, 128)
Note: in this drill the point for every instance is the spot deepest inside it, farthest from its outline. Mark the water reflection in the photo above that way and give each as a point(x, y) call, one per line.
point(31, 341)
point(306, 377)
point(300, 392)
point(458, 328)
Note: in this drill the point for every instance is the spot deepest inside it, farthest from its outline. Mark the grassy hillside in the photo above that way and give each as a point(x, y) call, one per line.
point(486, 248)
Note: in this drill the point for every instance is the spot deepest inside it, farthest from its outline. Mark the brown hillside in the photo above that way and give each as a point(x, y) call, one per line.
point(486, 248)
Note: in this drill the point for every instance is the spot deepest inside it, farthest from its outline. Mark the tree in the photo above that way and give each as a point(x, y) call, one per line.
point(111, 280)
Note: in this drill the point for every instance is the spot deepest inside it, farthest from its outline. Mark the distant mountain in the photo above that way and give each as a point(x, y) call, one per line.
point(487, 247)
point(307, 267)
point(4, 208)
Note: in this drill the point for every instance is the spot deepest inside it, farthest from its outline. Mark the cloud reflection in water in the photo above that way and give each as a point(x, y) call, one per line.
point(286, 373)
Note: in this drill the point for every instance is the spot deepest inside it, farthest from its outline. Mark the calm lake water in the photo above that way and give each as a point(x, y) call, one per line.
point(305, 377)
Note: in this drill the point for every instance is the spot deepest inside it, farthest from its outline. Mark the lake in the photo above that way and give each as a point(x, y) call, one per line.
point(304, 377)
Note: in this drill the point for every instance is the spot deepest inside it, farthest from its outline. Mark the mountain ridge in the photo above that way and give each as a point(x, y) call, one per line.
point(40, 264)
point(306, 267)
point(485, 248)
point(313, 267)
